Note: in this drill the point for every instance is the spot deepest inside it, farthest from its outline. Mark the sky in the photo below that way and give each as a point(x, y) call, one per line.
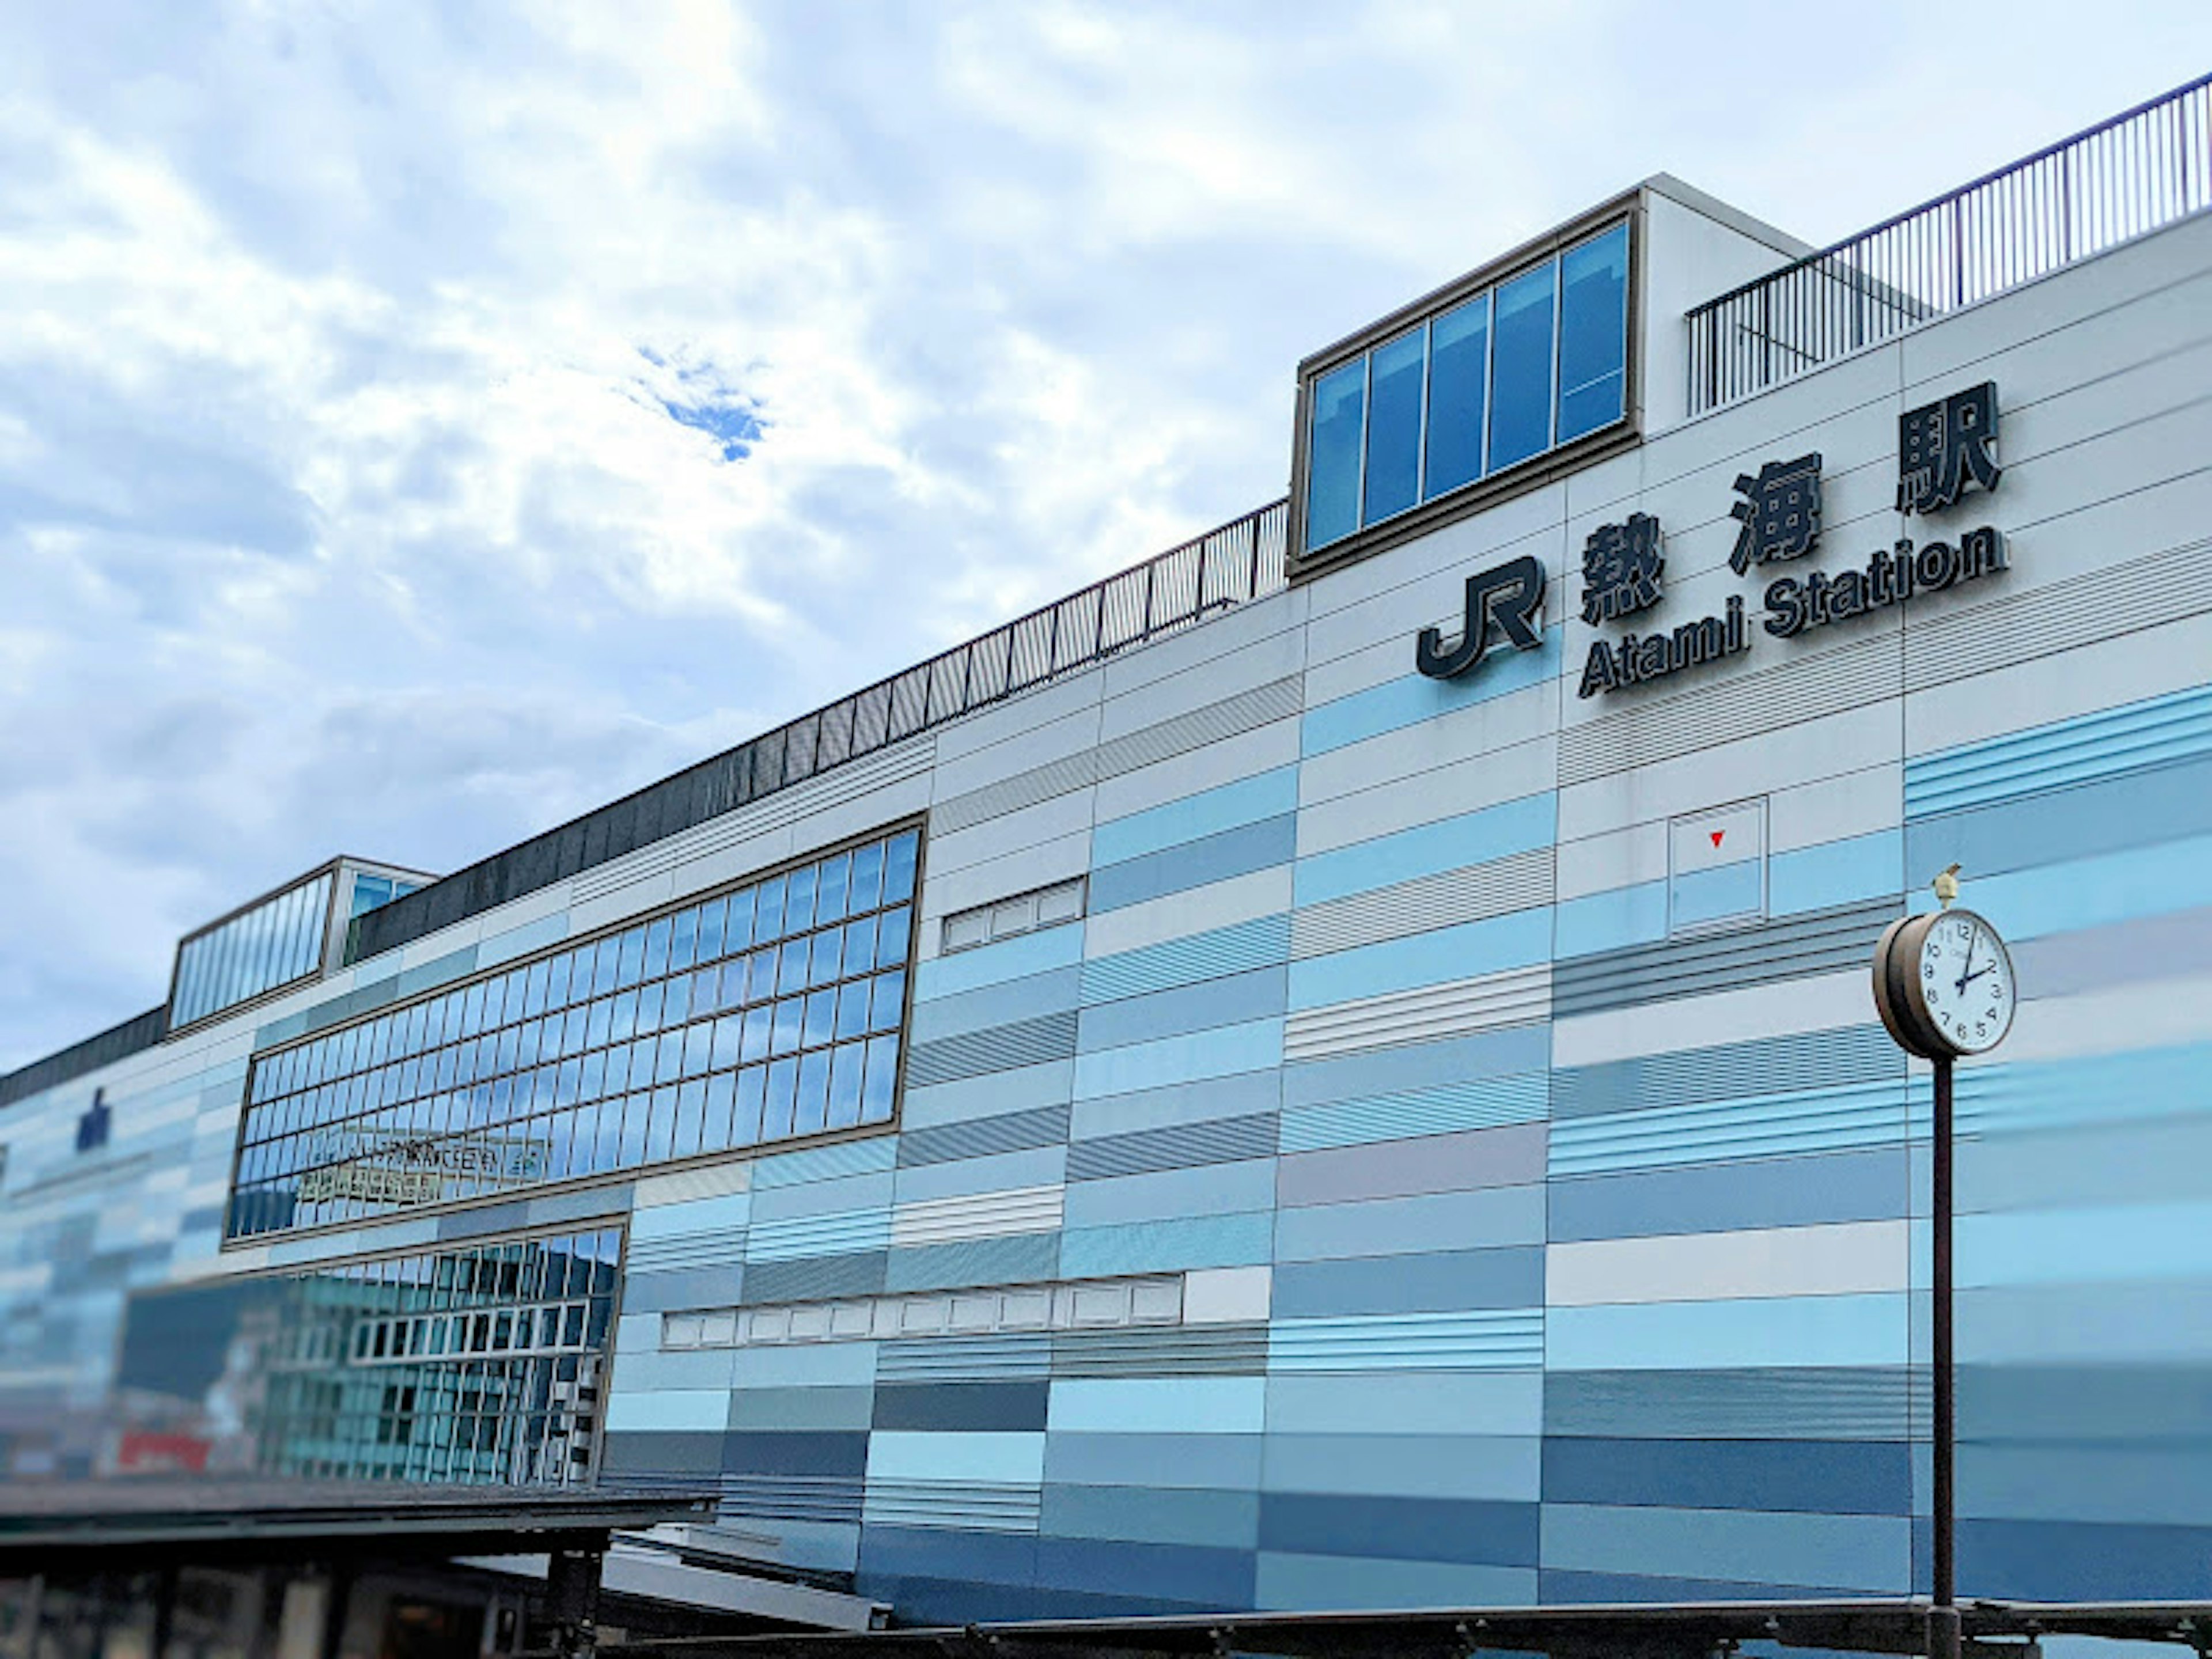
point(419, 424)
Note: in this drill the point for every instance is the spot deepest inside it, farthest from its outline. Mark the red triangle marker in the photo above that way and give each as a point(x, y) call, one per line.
point(1717, 834)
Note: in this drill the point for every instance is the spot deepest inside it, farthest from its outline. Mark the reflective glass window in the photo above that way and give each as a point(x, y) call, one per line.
point(1459, 388)
point(1521, 368)
point(1393, 426)
point(449, 1098)
point(1593, 333)
point(1340, 404)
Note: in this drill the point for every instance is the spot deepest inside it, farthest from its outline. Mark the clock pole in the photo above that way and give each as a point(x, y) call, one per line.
point(1908, 991)
point(1943, 1626)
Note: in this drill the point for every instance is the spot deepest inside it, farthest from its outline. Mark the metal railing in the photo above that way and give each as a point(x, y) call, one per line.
point(2142, 169)
point(1241, 561)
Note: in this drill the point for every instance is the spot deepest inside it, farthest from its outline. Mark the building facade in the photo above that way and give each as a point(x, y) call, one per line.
point(1336, 1068)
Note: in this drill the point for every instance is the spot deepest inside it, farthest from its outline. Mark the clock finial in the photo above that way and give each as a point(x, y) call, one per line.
point(1946, 885)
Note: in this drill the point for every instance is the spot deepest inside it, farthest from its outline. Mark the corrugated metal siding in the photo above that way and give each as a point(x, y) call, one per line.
point(1178, 1350)
point(1789, 947)
point(1807, 1059)
point(1518, 996)
point(967, 1506)
point(1260, 943)
point(1446, 1108)
point(719, 1247)
point(976, 1215)
point(981, 1137)
point(2141, 592)
point(1756, 1125)
point(1656, 729)
point(1278, 699)
point(999, 1048)
point(1497, 1341)
point(2152, 732)
point(1516, 882)
point(1022, 1356)
point(1218, 1140)
point(1811, 1403)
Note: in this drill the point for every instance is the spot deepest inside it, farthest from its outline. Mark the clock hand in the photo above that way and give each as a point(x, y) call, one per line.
point(1963, 975)
point(1986, 967)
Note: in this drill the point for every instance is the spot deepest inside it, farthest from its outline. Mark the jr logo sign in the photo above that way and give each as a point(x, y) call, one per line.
point(1509, 595)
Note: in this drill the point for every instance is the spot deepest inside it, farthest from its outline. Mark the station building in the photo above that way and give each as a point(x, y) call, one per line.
point(1334, 1068)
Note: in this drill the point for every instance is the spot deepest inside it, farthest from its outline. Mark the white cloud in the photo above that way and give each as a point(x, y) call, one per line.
point(342, 503)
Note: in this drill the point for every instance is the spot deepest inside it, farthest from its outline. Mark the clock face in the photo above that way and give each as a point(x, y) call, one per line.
point(1964, 981)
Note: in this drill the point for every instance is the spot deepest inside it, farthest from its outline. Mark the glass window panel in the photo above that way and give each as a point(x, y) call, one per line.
point(791, 965)
point(828, 953)
point(622, 1020)
point(798, 899)
point(790, 1023)
point(1593, 333)
point(712, 917)
point(598, 1022)
point(1520, 374)
point(631, 966)
point(684, 940)
point(1394, 425)
point(1459, 378)
point(606, 963)
point(760, 1024)
point(661, 1132)
point(690, 1118)
point(963, 932)
point(649, 1005)
point(891, 938)
point(698, 1040)
point(1339, 403)
point(852, 1009)
point(782, 1092)
point(821, 1016)
point(860, 945)
point(810, 1107)
point(878, 1090)
point(768, 910)
point(533, 995)
point(899, 859)
point(889, 1001)
point(557, 981)
point(721, 1099)
point(835, 883)
point(724, 1048)
point(669, 1062)
point(867, 877)
point(738, 932)
point(656, 948)
point(848, 1063)
point(745, 1119)
point(676, 1001)
point(760, 976)
point(731, 992)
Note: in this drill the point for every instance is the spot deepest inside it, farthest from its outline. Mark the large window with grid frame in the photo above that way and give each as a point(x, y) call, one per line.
point(759, 1015)
point(479, 1362)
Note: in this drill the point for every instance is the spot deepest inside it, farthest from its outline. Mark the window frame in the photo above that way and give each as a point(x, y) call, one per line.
point(1556, 458)
point(288, 1060)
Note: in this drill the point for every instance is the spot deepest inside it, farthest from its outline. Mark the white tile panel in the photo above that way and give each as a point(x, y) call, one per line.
point(1839, 1259)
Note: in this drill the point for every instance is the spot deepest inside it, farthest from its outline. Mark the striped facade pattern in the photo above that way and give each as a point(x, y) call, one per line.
point(1519, 1247)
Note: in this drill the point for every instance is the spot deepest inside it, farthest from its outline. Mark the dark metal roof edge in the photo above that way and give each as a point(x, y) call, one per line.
point(1894, 1626)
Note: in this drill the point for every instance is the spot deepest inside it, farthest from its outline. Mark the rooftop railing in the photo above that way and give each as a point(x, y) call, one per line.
point(2144, 168)
point(1241, 561)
